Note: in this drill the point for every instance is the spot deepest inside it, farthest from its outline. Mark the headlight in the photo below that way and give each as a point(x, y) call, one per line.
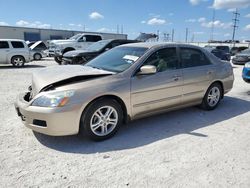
point(57, 99)
point(247, 65)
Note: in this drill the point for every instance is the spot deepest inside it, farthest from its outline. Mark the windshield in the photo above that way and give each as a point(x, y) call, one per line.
point(247, 51)
point(75, 37)
point(98, 45)
point(118, 59)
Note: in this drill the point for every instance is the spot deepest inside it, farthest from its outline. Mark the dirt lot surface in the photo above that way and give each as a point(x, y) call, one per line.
point(185, 148)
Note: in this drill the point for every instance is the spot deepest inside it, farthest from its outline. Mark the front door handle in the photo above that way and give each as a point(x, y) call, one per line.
point(209, 72)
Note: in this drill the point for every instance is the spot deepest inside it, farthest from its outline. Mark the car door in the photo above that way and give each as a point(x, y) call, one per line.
point(4, 50)
point(160, 90)
point(197, 73)
point(20, 48)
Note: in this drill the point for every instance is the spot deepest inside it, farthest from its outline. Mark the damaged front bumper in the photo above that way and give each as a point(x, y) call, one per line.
point(56, 121)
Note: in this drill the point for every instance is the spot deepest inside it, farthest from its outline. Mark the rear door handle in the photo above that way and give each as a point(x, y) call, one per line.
point(176, 77)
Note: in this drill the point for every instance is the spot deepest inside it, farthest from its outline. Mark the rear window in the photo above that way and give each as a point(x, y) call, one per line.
point(17, 44)
point(4, 44)
point(224, 48)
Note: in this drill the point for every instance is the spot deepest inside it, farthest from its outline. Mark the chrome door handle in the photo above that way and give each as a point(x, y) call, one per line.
point(7, 50)
point(209, 72)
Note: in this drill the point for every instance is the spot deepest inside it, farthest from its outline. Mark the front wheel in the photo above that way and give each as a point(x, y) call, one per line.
point(58, 60)
point(212, 97)
point(101, 120)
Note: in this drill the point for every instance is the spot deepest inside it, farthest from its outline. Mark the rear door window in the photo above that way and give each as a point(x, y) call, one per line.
point(4, 44)
point(193, 58)
point(92, 38)
point(17, 44)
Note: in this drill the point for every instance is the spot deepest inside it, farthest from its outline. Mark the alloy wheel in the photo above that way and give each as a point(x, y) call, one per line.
point(104, 120)
point(213, 96)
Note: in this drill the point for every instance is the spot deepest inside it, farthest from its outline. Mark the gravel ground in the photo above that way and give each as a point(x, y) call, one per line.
point(185, 148)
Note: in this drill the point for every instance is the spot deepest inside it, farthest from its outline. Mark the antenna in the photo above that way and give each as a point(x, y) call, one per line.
point(236, 21)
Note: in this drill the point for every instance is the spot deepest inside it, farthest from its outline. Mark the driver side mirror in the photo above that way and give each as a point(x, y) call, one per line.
point(147, 69)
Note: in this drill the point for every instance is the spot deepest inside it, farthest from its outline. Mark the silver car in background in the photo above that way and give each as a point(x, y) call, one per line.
point(128, 82)
point(15, 52)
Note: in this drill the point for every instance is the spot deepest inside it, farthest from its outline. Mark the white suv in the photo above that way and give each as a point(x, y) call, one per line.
point(14, 51)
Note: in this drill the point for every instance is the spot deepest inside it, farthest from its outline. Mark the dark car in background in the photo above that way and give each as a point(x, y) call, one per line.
point(242, 57)
point(83, 56)
point(235, 50)
point(219, 53)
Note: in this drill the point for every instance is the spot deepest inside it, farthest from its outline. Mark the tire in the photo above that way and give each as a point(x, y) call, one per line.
point(58, 60)
point(96, 112)
point(18, 61)
point(37, 56)
point(212, 97)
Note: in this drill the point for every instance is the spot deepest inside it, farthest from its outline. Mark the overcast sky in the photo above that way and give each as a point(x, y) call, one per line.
point(135, 16)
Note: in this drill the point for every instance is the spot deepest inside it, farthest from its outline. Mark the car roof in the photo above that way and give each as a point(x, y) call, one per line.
point(159, 44)
point(19, 40)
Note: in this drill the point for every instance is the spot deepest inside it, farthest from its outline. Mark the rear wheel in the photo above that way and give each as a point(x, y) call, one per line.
point(17, 61)
point(102, 119)
point(212, 97)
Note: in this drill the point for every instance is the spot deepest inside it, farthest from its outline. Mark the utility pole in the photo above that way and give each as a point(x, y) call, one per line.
point(186, 35)
point(121, 29)
point(117, 29)
point(235, 21)
point(172, 35)
point(212, 29)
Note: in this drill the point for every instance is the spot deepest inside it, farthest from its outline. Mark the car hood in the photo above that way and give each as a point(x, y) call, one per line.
point(75, 53)
point(243, 55)
point(61, 41)
point(61, 75)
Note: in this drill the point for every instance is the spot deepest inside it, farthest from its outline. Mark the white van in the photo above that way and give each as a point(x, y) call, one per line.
point(14, 51)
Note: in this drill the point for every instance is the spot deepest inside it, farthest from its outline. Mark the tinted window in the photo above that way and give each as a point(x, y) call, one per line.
point(17, 44)
point(164, 59)
point(192, 58)
point(4, 44)
point(92, 38)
